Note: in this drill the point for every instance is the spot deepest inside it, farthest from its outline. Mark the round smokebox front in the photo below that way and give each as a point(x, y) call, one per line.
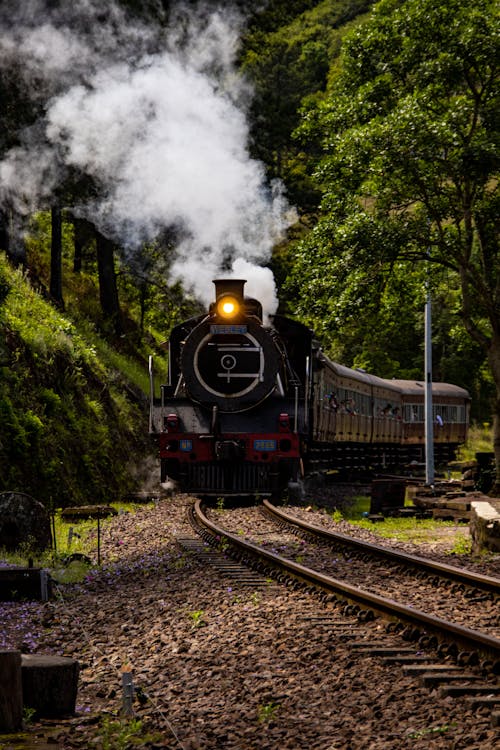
point(231, 366)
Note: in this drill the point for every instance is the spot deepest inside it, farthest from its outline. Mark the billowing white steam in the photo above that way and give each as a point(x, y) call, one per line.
point(161, 127)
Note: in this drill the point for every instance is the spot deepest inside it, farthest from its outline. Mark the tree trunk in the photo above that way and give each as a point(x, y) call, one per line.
point(108, 291)
point(56, 257)
point(50, 684)
point(4, 231)
point(84, 232)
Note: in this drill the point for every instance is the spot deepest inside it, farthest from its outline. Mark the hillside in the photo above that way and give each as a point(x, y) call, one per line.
point(342, 145)
point(73, 428)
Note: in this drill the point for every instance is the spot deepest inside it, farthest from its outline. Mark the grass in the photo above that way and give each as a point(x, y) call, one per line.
point(480, 440)
point(71, 415)
point(71, 538)
point(408, 529)
point(415, 530)
point(267, 712)
point(420, 529)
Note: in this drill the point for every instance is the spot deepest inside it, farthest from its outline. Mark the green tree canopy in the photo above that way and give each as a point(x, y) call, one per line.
point(410, 133)
point(287, 51)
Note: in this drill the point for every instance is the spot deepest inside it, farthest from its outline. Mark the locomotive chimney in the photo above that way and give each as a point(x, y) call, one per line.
point(229, 286)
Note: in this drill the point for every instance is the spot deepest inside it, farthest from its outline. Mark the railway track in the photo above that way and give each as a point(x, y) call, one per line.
point(456, 594)
point(447, 656)
point(438, 572)
point(360, 576)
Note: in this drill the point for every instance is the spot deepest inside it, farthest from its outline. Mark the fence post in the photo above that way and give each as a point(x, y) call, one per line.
point(11, 691)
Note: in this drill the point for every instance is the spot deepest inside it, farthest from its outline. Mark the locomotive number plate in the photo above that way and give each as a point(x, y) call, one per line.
point(264, 445)
point(227, 329)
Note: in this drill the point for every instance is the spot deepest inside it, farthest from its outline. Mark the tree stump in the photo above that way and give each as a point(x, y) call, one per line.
point(50, 684)
point(23, 520)
point(11, 694)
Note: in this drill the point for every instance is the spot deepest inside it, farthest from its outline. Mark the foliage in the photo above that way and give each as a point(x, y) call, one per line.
point(287, 53)
point(122, 733)
point(409, 174)
point(418, 734)
point(150, 306)
point(28, 715)
point(399, 136)
point(75, 545)
point(70, 429)
point(462, 545)
point(267, 712)
point(409, 529)
point(480, 440)
point(197, 618)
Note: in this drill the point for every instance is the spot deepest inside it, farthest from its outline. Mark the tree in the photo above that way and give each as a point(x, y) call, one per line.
point(56, 293)
point(285, 55)
point(108, 290)
point(84, 234)
point(410, 132)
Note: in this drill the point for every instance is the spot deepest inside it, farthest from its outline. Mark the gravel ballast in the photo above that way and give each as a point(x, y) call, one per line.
point(220, 665)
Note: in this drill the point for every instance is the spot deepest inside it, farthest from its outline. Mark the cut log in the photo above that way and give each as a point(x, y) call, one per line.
point(50, 684)
point(485, 525)
point(11, 695)
point(84, 512)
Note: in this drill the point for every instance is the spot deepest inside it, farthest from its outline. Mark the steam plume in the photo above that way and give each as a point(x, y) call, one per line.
point(158, 120)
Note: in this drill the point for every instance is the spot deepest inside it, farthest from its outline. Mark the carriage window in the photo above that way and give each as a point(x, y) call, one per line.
point(414, 413)
point(352, 402)
point(449, 413)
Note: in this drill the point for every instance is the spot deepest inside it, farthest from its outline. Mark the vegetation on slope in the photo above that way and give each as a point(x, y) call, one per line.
point(72, 426)
point(332, 120)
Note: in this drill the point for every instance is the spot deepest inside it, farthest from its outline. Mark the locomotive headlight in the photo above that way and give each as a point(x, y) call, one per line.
point(228, 307)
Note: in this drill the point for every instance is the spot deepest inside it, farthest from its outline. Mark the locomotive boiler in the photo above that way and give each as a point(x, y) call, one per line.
point(251, 407)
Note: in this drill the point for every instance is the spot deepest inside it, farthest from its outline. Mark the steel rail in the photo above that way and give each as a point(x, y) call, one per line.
point(467, 638)
point(430, 566)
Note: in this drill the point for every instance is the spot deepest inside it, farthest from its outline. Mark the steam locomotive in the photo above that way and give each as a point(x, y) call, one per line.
point(250, 408)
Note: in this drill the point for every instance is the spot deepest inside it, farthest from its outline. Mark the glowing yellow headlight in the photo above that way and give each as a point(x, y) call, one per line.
point(228, 307)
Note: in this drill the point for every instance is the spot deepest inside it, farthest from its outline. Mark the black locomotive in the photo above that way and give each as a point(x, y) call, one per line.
point(250, 408)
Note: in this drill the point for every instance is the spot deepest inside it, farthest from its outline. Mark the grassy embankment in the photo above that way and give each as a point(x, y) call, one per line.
point(425, 530)
point(73, 412)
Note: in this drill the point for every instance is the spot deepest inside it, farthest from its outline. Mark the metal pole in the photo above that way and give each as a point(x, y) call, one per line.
point(98, 541)
point(429, 423)
point(151, 393)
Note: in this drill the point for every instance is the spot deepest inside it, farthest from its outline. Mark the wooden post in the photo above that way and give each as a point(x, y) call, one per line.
point(11, 692)
point(50, 684)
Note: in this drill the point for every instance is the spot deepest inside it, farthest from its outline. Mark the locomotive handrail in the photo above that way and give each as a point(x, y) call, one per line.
point(307, 393)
